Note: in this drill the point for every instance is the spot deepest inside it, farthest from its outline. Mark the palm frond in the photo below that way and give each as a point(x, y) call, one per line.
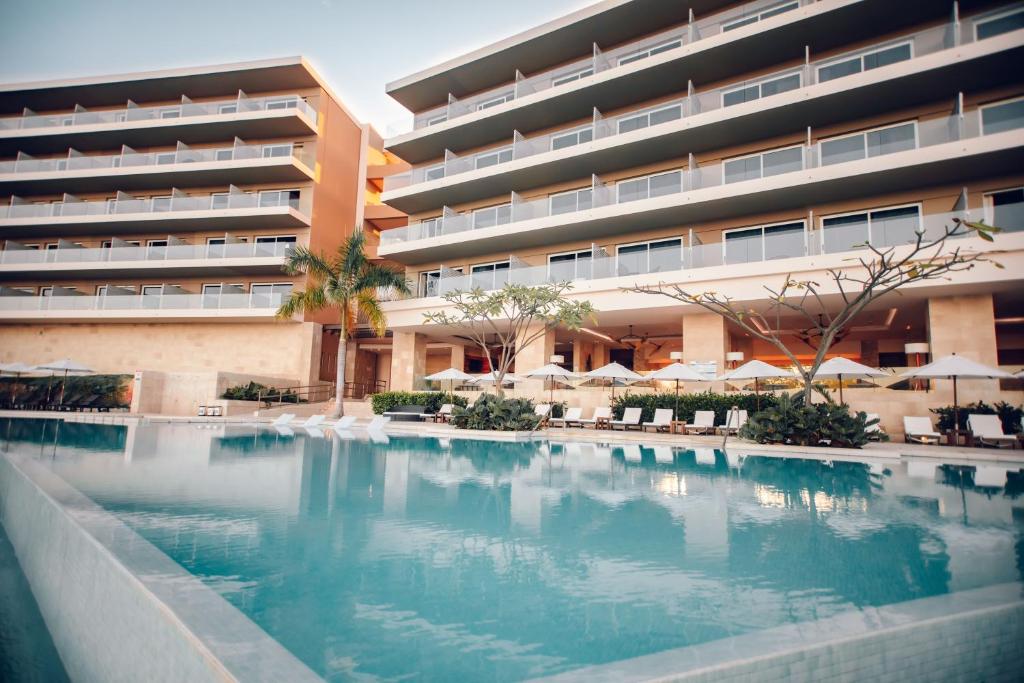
point(302, 260)
point(303, 300)
point(353, 256)
point(375, 276)
point(369, 307)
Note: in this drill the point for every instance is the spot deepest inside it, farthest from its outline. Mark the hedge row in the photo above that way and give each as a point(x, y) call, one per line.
point(690, 404)
point(433, 400)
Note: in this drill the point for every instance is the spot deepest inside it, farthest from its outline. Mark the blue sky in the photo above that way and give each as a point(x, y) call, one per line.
point(358, 46)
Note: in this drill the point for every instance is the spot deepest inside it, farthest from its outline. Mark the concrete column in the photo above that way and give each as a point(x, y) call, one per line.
point(408, 360)
point(705, 338)
point(580, 351)
point(458, 359)
point(869, 352)
point(600, 356)
point(964, 325)
point(534, 355)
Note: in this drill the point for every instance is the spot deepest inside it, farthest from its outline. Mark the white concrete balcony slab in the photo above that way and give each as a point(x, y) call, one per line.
point(141, 308)
point(703, 121)
point(279, 116)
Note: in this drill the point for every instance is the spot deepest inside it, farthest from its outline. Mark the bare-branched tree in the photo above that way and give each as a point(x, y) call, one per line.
point(503, 322)
point(867, 278)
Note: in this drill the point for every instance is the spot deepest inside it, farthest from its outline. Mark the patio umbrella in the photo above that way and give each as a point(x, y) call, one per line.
point(492, 378)
point(679, 373)
point(755, 370)
point(839, 367)
point(550, 372)
point(614, 371)
point(66, 366)
point(451, 375)
point(16, 369)
point(956, 367)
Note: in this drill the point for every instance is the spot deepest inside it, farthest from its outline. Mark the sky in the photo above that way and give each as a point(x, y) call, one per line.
point(356, 46)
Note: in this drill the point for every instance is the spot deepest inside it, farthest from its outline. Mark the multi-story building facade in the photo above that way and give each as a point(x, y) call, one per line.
point(720, 146)
point(145, 218)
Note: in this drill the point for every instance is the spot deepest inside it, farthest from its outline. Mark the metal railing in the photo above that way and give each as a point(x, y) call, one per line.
point(921, 43)
point(175, 252)
point(186, 109)
point(143, 302)
point(311, 393)
point(358, 390)
point(210, 202)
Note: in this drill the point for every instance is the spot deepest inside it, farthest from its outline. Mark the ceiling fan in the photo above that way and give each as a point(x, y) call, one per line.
point(638, 340)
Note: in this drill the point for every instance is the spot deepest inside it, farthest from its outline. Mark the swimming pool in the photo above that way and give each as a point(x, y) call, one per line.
point(471, 560)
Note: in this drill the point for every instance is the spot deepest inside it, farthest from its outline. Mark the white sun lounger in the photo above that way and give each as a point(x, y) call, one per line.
point(664, 455)
point(313, 421)
point(632, 452)
point(345, 423)
point(600, 413)
point(284, 430)
point(919, 430)
point(703, 422)
point(630, 418)
point(988, 431)
point(572, 416)
point(378, 436)
point(315, 432)
point(662, 420)
point(283, 419)
point(733, 422)
point(377, 423)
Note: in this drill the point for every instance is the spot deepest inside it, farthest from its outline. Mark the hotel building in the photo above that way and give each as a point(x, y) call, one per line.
point(720, 146)
point(145, 219)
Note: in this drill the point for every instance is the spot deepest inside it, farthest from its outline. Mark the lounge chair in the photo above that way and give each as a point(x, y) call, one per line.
point(313, 421)
point(377, 436)
point(407, 413)
point(632, 452)
point(630, 418)
point(662, 420)
point(284, 430)
point(664, 455)
point(542, 410)
point(572, 416)
point(377, 423)
point(919, 430)
point(345, 423)
point(733, 421)
point(988, 431)
point(315, 432)
point(444, 413)
point(600, 413)
point(703, 422)
point(283, 419)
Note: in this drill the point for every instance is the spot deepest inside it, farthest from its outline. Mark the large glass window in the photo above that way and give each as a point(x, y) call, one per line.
point(490, 276)
point(269, 294)
point(492, 215)
point(765, 88)
point(434, 172)
point(872, 143)
point(574, 200)
point(650, 257)
point(1002, 116)
point(764, 243)
point(574, 76)
point(846, 66)
point(759, 16)
point(649, 186)
point(279, 198)
point(572, 266)
point(573, 138)
point(1001, 22)
point(429, 282)
point(880, 227)
point(282, 103)
point(650, 118)
point(494, 101)
point(650, 51)
point(1005, 209)
point(274, 151)
point(494, 157)
point(763, 164)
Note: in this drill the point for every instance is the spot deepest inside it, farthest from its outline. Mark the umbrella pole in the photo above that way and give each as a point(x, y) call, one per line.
point(63, 384)
point(956, 415)
point(676, 413)
point(757, 395)
point(840, 389)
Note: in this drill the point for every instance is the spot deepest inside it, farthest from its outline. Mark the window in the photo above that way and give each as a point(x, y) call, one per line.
point(219, 200)
point(573, 138)
point(655, 185)
point(166, 158)
point(434, 120)
point(1001, 22)
point(845, 66)
point(223, 154)
point(274, 151)
point(269, 294)
point(1005, 209)
point(763, 243)
point(162, 203)
point(649, 257)
point(880, 227)
point(765, 88)
point(431, 227)
point(492, 215)
point(489, 276)
point(434, 172)
point(571, 266)
point(282, 103)
point(871, 143)
point(1002, 116)
point(764, 164)
point(170, 113)
point(573, 200)
point(216, 247)
point(112, 205)
point(571, 77)
point(493, 158)
point(430, 282)
point(759, 16)
point(46, 291)
point(273, 245)
point(279, 198)
point(495, 101)
point(650, 118)
point(651, 51)
point(228, 108)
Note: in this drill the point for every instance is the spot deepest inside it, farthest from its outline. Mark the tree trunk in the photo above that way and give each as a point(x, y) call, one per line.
point(339, 380)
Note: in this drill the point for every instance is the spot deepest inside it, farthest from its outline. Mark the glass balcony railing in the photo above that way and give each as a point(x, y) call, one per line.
point(519, 147)
point(117, 207)
point(144, 302)
point(174, 252)
point(602, 61)
point(881, 228)
point(187, 109)
point(797, 158)
point(76, 161)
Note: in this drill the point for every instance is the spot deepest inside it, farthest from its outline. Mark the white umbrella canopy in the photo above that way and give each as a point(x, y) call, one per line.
point(839, 367)
point(451, 375)
point(15, 368)
point(492, 377)
point(614, 371)
point(551, 372)
point(755, 370)
point(679, 373)
point(956, 367)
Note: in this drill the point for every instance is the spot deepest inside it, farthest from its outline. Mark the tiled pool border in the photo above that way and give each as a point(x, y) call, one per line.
point(117, 607)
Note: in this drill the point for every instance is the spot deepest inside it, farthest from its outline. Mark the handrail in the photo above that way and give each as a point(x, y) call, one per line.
point(280, 395)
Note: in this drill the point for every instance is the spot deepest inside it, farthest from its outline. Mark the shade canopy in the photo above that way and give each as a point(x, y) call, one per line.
point(960, 367)
point(492, 377)
point(450, 375)
point(840, 367)
point(550, 370)
point(679, 372)
point(15, 368)
point(65, 365)
point(613, 371)
point(755, 369)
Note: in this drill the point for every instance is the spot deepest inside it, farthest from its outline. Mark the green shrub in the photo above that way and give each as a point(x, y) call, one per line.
point(1008, 414)
point(497, 414)
point(387, 401)
point(689, 404)
point(254, 391)
point(792, 422)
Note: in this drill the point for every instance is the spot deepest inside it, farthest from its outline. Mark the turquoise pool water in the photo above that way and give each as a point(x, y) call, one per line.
point(421, 559)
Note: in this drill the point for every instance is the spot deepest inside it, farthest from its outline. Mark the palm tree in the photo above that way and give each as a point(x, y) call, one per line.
point(349, 283)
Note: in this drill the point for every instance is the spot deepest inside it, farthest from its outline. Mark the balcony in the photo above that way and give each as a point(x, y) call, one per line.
point(184, 167)
point(949, 149)
point(819, 93)
point(712, 49)
point(232, 210)
point(124, 307)
point(192, 122)
point(176, 260)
